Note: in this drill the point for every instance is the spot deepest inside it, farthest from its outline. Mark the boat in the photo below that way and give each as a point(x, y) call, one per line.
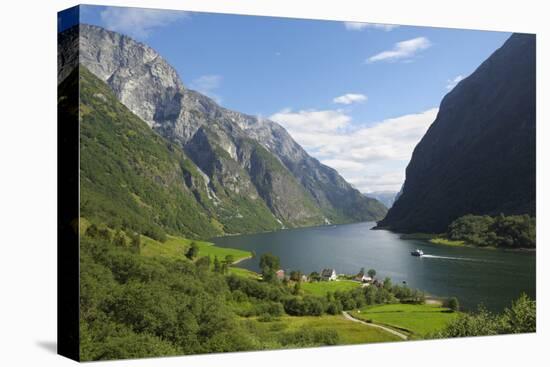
point(417, 252)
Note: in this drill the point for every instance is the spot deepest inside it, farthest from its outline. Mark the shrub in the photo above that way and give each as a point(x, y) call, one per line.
point(310, 337)
point(520, 318)
point(452, 303)
point(334, 308)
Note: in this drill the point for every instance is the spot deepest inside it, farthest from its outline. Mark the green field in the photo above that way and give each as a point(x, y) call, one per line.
point(417, 320)
point(349, 332)
point(321, 288)
point(175, 248)
point(446, 242)
point(436, 239)
point(243, 272)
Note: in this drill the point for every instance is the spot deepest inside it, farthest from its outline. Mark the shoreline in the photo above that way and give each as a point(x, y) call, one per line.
point(211, 239)
point(436, 239)
point(241, 260)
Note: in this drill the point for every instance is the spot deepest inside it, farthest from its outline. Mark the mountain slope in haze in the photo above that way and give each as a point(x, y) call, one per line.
point(478, 157)
point(385, 197)
point(236, 154)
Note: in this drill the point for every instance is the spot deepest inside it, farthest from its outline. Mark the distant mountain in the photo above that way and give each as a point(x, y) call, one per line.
point(385, 197)
point(245, 174)
point(478, 157)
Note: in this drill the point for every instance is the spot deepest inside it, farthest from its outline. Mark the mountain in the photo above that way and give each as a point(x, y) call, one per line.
point(478, 156)
point(244, 174)
point(129, 175)
point(385, 197)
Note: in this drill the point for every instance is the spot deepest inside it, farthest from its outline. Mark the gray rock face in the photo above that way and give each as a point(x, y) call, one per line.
point(301, 190)
point(140, 78)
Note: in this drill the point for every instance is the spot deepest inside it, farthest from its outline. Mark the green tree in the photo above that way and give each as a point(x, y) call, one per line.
point(472, 229)
point(103, 233)
point(203, 263)
point(226, 263)
point(370, 295)
point(296, 275)
point(229, 259)
point(217, 265)
point(479, 323)
point(515, 231)
point(193, 251)
point(371, 273)
point(334, 308)
point(269, 264)
point(314, 276)
point(453, 304)
point(502, 231)
point(120, 239)
point(521, 317)
point(297, 290)
point(135, 239)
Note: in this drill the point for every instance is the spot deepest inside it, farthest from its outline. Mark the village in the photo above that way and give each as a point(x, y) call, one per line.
point(365, 278)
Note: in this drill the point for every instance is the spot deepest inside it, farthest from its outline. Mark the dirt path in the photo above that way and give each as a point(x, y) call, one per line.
point(397, 333)
point(241, 260)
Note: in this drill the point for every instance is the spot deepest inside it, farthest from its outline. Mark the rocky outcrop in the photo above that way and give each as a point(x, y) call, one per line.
point(478, 157)
point(240, 154)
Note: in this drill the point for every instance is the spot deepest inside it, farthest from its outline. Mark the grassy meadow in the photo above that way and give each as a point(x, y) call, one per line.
point(348, 332)
point(446, 242)
point(175, 248)
point(322, 288)
point(415, 319)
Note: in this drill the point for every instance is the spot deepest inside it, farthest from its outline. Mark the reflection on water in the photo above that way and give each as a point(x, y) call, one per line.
point(474, 275)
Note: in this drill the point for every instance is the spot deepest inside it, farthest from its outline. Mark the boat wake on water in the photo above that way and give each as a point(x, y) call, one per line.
point(451, 258)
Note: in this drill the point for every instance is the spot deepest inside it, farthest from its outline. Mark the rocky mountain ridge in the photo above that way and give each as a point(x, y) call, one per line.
point(237, 154)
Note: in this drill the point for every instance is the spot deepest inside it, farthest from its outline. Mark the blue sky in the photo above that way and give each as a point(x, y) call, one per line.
point(356, 96)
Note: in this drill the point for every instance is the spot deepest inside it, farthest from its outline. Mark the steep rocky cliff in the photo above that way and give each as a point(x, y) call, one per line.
point(239, 156)
point(478, 157)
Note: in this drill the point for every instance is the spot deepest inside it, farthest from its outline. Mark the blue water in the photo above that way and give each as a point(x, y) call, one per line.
point(474, 275)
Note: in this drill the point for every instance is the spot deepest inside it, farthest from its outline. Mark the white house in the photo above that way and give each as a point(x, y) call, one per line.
point(280, 274)
point(363, 278)
point(328, 274)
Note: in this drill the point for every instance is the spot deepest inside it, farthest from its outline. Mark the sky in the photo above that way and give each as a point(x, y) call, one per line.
point(356, 96)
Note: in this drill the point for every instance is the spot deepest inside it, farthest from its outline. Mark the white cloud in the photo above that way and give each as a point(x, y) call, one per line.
point(402, 50)
point(207, 84)
point(451, 83)
point(388, 181)
point(340, 164)
point(373, 157)
point(358, 26)
point(138, 22)
point(350, 98)
point(312, 120)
